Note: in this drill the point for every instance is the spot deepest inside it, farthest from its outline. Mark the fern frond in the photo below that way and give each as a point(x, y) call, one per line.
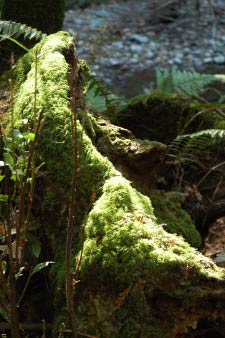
point(183, 82)
point(98, 98)
point(192, 147)
point(164, 81)
point(190, 83)
point(11, 29)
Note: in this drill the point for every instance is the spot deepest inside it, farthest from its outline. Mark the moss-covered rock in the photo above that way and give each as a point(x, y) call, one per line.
point(136, 279)
point(156, 116)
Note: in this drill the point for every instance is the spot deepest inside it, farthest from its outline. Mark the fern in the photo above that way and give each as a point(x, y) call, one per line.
point(14, 30)
point(164, 81)
point(183, 82)
point(98, 98)
point(193, 147)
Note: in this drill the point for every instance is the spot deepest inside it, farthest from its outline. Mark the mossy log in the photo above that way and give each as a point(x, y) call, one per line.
point(138, 160)
point(135, 278)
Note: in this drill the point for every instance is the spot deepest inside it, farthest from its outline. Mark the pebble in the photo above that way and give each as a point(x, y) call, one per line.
point(114, 61)
point(117, 38)
point(150, 54)
point(139, 38)
point(136, 48)
point(220, 59)
point(208, 60)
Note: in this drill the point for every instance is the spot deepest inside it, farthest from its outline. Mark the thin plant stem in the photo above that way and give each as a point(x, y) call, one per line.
point(74, 92)
point(209, 171)
point(14, 327)
point(13, 311)
point(24, 289)
point(30, 170)
point(212, 109)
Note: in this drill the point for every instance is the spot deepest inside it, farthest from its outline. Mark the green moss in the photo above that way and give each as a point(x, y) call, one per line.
point(54, 146)
point(124, 245)
point(124, 241)
point(118, 142)
point(51, 99)
point(156, 116)
point(126, 248)
point(169, 213)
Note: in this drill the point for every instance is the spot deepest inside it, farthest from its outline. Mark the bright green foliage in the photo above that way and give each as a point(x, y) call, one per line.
point(51, 69)
point(113, 223)
point(124, 241)
point(169, 213)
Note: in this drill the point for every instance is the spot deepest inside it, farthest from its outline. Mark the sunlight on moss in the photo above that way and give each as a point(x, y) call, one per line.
point(124, 241)
point(123, 244)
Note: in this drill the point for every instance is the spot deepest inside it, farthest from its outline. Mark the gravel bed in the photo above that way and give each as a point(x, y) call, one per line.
point(119, 39)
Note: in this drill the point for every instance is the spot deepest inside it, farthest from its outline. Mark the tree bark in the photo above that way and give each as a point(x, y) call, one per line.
point(45, 15)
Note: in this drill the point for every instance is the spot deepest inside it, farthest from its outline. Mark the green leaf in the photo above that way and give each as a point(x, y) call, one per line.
point(4, 266)
point(17, 175)
point(4, 315)
point(1, 177)
point(17, 134)
point(97, 103)
point(29, 136)
point(21, 160)
point(20, 272)
point(8, 159)
point(40, 266)
point(97, 91)
point(18, 172)
point(36, 248)
point(3, 198)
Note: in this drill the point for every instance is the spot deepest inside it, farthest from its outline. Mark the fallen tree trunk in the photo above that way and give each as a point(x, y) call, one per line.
point(133, 278)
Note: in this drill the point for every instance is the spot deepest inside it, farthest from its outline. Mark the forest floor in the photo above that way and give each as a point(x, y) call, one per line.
point(125, 41)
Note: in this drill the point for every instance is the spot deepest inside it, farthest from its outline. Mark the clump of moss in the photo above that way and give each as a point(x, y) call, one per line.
point(123, 239)
point(169, 213)
point(125, 249)
point(155, 116)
